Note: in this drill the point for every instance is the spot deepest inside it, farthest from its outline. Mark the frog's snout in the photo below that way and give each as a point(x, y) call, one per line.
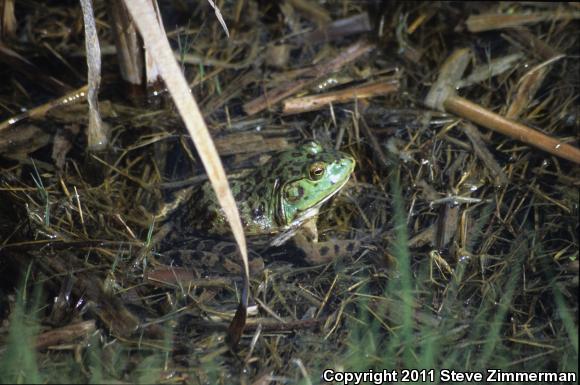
point(341, 169)
point(347, 163)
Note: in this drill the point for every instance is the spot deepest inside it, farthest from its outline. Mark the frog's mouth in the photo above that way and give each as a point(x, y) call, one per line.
point(289, 229)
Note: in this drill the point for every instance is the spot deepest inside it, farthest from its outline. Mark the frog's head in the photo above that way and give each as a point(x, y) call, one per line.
point(308, 176)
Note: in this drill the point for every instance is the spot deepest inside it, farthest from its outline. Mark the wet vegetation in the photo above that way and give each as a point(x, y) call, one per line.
point(464, 122)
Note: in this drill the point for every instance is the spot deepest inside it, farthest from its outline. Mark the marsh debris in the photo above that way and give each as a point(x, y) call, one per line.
point(468, 238)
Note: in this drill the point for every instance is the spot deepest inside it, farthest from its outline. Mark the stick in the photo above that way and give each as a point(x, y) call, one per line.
point(475, 113)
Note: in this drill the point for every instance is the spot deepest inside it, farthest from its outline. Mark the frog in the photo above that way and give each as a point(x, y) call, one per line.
point(279, 200)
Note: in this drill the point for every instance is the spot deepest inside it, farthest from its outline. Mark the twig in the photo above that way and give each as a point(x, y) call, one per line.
point(289, 88)
point(316, 102)
point(492, 21)
point(442, 97)
point(527, 87)
point(97, 132)
point(72, 97)
point(495, 122)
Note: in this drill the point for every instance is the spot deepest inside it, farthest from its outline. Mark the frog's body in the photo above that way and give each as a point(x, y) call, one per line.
point(277, 199)
point(280, 196)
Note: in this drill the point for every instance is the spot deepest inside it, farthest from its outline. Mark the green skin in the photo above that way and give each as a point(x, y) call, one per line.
point(280, 196)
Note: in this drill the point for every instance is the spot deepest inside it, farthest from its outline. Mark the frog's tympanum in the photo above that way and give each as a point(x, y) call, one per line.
point(277, 199)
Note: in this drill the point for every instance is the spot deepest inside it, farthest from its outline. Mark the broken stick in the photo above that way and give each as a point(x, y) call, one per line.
point(442, 97)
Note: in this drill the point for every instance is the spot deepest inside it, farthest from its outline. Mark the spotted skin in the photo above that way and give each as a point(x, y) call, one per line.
point(276, 198)
point(209, 258)
point(281, 194)
point(324, 252)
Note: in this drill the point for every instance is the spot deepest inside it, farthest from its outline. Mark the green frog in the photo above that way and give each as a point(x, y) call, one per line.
point(280, 199)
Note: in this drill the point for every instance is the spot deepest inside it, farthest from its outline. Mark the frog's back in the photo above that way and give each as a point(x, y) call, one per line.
point(292, 184)
point(203, 212)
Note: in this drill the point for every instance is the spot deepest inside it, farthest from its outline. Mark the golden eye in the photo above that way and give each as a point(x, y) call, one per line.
point(316, 170)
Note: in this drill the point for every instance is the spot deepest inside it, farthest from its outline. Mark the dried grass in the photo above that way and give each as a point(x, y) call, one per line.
point(470, 238)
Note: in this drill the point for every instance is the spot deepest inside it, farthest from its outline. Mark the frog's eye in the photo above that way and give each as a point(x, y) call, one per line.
point(316, 170)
